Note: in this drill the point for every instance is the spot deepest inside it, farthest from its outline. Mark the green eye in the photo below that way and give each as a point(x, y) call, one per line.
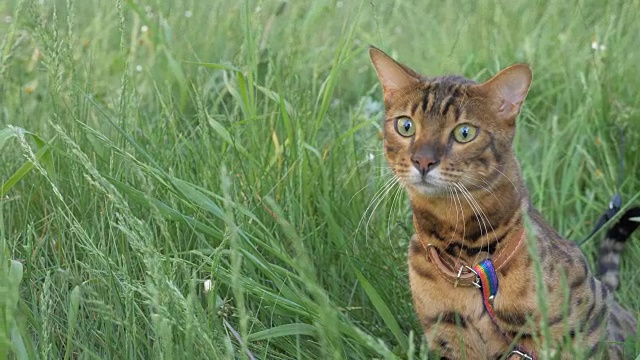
point(405, 126)
point(464, 133)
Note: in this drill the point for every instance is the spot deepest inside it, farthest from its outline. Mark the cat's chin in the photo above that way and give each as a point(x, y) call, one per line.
point(427, 189)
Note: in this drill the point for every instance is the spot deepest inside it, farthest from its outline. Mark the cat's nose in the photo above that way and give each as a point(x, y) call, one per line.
point(424, 163)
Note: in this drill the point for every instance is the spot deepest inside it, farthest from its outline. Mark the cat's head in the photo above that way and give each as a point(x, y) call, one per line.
point(443, 131)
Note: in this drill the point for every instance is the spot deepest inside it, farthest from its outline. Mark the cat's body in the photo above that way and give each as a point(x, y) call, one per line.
point(449, 141)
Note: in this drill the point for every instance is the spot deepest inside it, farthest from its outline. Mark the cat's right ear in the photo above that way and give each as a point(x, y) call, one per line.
point(393, 76)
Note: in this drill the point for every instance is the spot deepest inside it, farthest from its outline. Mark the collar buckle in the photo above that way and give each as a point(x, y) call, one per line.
point(476, 281)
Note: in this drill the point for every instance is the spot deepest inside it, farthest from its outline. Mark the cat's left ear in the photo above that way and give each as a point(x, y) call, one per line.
point(509, 88)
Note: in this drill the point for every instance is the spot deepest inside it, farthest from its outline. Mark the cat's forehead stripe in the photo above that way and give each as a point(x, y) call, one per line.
point(427, 100)
point(446, 105)
point(441, 95)
point(414, 107)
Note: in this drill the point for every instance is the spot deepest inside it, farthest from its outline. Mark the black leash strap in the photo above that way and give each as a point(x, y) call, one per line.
point(616, 201)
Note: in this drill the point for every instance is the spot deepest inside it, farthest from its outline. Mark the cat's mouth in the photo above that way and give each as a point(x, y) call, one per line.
point(428, 184)
point(429, 187)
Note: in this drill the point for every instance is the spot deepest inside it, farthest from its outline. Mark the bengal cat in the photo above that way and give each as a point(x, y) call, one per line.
point(449, 142)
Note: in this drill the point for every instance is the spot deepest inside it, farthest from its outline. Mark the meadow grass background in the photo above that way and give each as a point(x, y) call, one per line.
point(180, 175)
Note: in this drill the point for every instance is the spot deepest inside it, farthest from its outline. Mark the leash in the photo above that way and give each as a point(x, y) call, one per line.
point(488, 280)
point(484, 276)
point(615, 204)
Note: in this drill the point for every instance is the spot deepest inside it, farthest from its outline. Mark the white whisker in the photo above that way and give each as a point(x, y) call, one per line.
point(464, 226)
point(393, 204)
point(380, 199)
point(375, 202)
point(472, 181)
point(375, 197)
point(484, 215)
point(479, 218)
point(455, 229)
point(498, 170)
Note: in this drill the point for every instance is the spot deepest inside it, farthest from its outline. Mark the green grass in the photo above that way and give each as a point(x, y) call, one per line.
point(237, 144)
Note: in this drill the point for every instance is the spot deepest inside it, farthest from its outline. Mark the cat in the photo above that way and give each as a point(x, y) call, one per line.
point(449, 141)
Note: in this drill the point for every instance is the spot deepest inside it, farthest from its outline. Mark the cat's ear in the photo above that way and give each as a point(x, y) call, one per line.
point(393, 76)
point(509, 88)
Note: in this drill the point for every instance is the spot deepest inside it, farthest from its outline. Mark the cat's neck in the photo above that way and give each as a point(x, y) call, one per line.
point(475, 224)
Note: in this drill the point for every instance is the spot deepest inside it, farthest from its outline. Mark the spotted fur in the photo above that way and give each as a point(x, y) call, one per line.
point(469, 200)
